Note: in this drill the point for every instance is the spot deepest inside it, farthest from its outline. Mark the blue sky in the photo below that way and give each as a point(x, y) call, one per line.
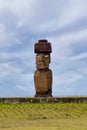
point(61, 22)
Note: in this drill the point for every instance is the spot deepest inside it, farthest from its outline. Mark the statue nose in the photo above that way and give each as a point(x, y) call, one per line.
point(41, 58)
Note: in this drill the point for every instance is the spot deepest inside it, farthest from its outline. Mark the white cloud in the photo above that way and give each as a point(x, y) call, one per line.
point(23, 22)
point(22, 87)
point(6, 38)
point(80, 56)
point(2, 28)
point(57, 18)
point(7, 69)
point(21, 55)
point(70, 77)
point(15, 5)
point(73, 11)
point(62, 44)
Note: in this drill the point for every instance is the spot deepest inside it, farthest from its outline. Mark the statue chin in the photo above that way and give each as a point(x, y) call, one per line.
point(42, 67)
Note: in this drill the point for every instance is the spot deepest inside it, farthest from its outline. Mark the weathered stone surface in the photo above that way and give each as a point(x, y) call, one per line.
point(43, 75)
point(42, 99)
point(43, 46)
point(42, 60)
point(43, 82)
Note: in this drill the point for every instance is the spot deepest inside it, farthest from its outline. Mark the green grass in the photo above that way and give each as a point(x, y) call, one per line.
point(43, 116)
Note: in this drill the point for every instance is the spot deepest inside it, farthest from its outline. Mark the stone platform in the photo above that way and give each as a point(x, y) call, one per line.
point(42, 99)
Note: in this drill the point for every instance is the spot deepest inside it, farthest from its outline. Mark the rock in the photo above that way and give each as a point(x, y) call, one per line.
point(43, 75)
point(43, 82)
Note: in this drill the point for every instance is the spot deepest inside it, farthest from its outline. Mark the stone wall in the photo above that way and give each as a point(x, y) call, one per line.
point(42, 99)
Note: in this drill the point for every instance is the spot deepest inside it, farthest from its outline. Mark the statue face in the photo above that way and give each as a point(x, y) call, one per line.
point(42, 60)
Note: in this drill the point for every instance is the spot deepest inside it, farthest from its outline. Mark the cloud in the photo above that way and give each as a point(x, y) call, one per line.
point(6, 69)
point(24, 88)
point(23, 23)
point(5, 39)
point(73, 12)
point(54, 17)
point(80, 56)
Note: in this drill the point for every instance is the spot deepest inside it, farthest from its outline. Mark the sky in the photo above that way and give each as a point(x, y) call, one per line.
point(64, 24)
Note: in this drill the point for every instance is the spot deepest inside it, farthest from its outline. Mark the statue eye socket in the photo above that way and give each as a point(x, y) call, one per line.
point(46, 56)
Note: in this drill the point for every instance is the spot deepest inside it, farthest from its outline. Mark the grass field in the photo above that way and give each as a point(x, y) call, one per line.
point(43, 116)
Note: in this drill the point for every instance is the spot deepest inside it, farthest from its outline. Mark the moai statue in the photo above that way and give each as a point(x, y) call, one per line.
point(43, 75)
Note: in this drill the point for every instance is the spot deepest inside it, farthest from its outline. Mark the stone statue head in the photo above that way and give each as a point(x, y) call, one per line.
point(42, 60)
point(43, 50)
